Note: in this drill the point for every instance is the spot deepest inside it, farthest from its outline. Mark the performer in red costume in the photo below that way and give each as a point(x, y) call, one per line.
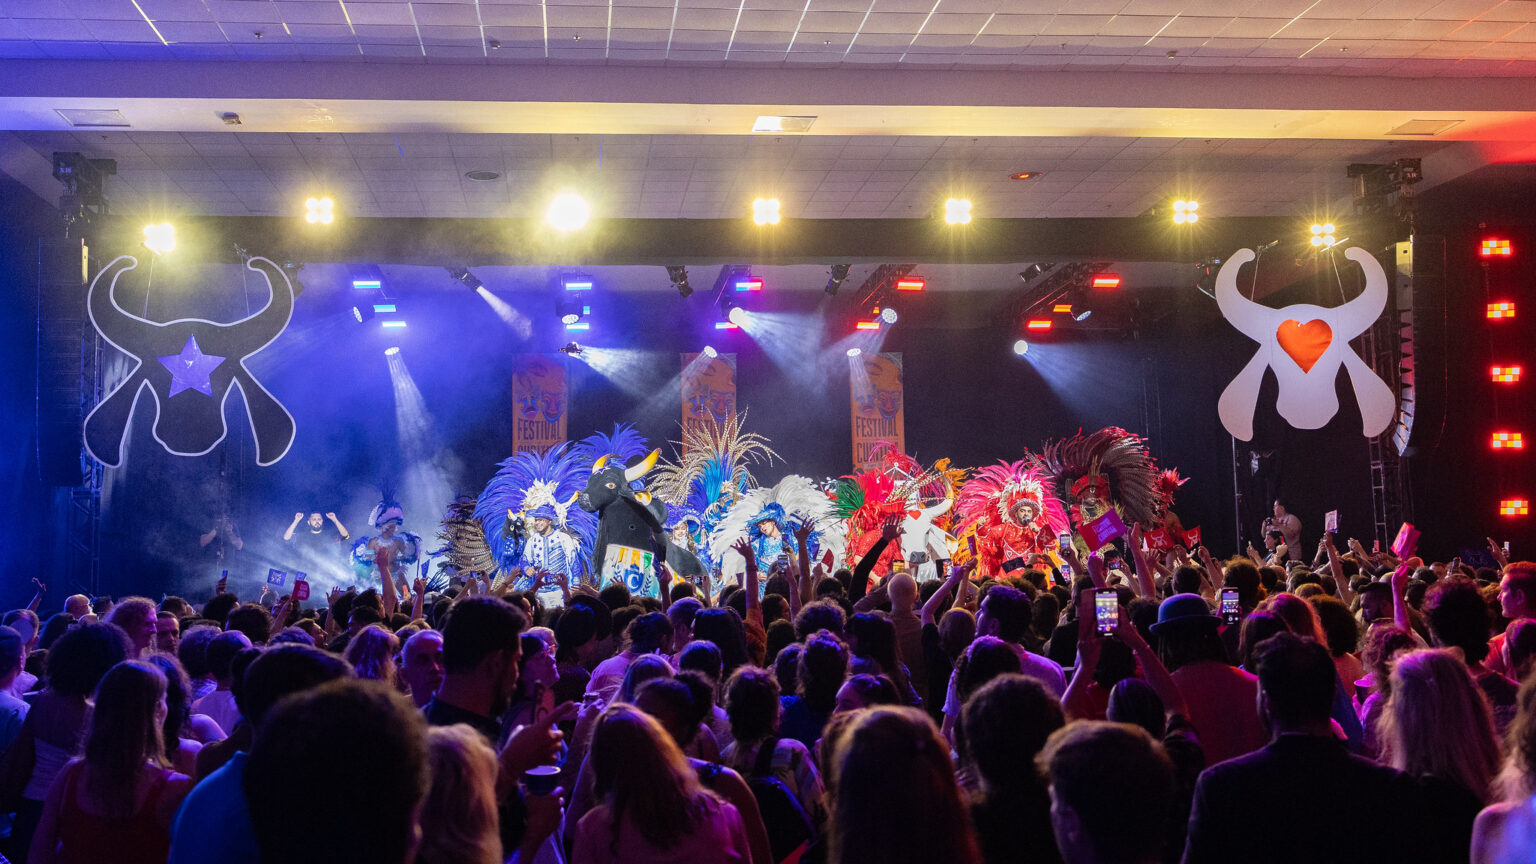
point(1006, 509)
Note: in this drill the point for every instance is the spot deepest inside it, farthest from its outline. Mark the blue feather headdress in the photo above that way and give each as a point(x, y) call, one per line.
point(533, 485)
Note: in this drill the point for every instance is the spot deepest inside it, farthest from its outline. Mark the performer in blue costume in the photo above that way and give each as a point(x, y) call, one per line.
point(400, 547)
point(529, 519)
point(770, 517)
point(710, 475)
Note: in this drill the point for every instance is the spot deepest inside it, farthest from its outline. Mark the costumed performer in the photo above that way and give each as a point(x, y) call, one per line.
point(772, 518)
point(1104, 470)
point(394, 549)
point(1006, 509)
point(710, 475)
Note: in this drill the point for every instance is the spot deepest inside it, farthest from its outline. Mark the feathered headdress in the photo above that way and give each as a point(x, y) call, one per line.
point(711, 457)
point(989, 497)
point(533, 485)
point(625, 444)
point(933, 484)
point(1168, 483)
point(388, 509)
point(1111, 464)
point(464, 538)
point(790, 503)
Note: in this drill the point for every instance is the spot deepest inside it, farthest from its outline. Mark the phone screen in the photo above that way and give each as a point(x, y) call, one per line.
point(1063, 541)
point(1106, 610)
point(1230, 610)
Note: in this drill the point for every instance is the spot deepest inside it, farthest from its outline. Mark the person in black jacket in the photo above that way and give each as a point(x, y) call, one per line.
point(1356, 810)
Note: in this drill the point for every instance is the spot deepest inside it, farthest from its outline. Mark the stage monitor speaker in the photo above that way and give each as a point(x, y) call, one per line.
point(65, 361)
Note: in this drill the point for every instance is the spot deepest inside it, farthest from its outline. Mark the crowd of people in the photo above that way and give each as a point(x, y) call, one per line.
point(1356, 708)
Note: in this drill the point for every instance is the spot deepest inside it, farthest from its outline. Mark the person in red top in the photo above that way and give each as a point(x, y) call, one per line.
point(1517, 599)
point(116, 803)
point(1222, 700)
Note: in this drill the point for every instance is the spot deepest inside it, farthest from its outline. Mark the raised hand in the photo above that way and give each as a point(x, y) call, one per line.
point(1498, 553)
point(419, 586)
point(333, 595)
point(743, 547)
point(298, 517)
point(41, 588)
point(331, 516)
point(891, 529)
point(803, 531)
point(222, 583)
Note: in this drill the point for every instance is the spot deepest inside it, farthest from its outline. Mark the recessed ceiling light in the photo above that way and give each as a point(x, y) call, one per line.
point(93, 117)
point(1026, 175)
point(778, 123)
point(483, 176)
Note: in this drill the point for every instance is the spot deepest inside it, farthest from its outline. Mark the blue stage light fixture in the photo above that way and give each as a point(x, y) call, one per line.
point(1021, 347)
point(393, 325)
point(710, 352)
point(854, 352)
point(888, 315)
point(391, 351)
point(364, 312)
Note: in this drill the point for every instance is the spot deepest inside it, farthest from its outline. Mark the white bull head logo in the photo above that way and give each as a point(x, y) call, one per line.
point(1305, 345)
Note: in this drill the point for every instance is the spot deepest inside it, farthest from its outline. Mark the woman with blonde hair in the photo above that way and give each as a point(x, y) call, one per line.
point(653, 809)
point(372, 655)
point(894, 797)
point(116, 802)
point(1516, 782)
point(1438, 729)
point(459, 822)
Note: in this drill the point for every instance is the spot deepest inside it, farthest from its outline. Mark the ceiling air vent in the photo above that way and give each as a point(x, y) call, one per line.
point(94, 118)
point(1423, 128)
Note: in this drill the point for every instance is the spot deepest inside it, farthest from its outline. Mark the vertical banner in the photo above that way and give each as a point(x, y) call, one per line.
point(539, 402)
point(709, 390)
point(875, 391)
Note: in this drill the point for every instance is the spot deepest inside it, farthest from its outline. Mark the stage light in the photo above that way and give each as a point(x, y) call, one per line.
point(957, 211)
point(1505, 374)
point(726, 325)
point(393, 325)
point(383, 307)
point(1033, 271)
point(1021, 347)
point(710, 352)
point(465, 278)
point(1062, 309)
point(1494, 248)
point(1507, 441)
point(748, 283)
point(677, 274)
point(1106, 280)
point(391, 351)
point(1501, 311)
point(364, 312)
point(888, 315)
point(1082, 316)
point(319, 211)
point(737, 316)
point(367, 284)
point(578, 326)
point(1515, 507)
point(161, 238)
point(835, 276)
point(1039, 324)
point(571, 310)
point(867, 325)
point(854, 352)
point(576, 283)
point(1323, 235)
point(765, 211)
point(1184, 212)
point(568, 212)
point(571, 348)
point(911, 283)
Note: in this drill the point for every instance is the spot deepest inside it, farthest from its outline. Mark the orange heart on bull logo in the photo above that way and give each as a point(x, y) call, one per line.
point(1304, 342)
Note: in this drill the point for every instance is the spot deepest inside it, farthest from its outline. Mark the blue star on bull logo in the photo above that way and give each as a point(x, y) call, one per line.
point(191, 369)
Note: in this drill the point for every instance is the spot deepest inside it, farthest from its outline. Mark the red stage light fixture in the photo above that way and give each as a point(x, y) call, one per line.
point(1515, 507)
point(1500, 311)
point(749, 283)
point(1495, 248)
point(1039, 324)
point(1507, 441)
point(867, 325)
point(911, 283)
point(1062, 308)
point(1106, 280)
point(1505, 374)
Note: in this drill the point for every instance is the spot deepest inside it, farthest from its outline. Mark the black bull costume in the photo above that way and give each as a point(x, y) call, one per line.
point(633, 518)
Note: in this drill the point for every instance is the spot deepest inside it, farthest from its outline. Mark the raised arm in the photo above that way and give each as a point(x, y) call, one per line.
point(340, 528)
point(385, 560)
point(37, 599)
point(1144, 573)
point(1213, 569)
point(1074, 702)
point(930, 610)
point(743, 548)
point(297, 518)
point(889, 531)
point(419, 592)
point(1336, 567)
point(1400, 578)
point(1152, 669)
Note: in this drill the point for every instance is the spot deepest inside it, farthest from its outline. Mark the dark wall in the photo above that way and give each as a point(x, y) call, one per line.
point(32, 513)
